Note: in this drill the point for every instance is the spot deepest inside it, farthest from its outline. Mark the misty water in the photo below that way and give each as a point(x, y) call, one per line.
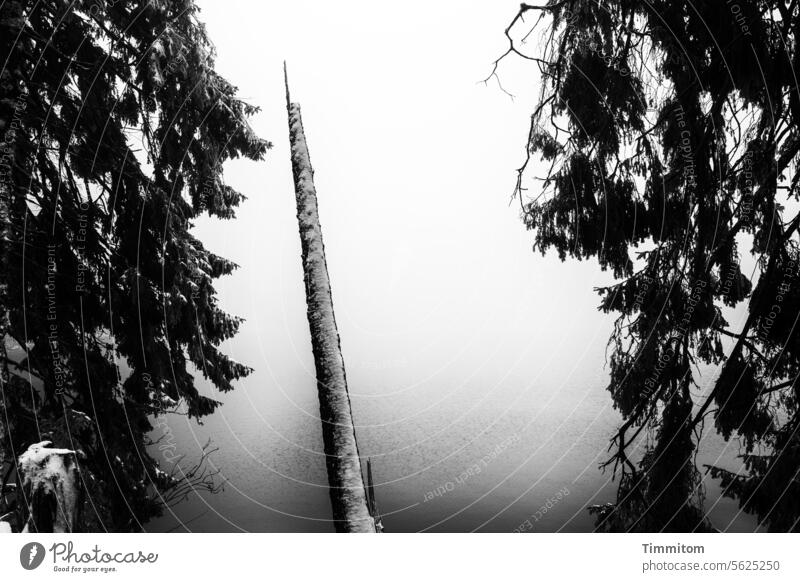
point(473, 419)
point(459, 341)
point(528, 441)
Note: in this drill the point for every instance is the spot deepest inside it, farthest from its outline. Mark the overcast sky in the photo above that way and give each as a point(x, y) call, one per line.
point(414, 162)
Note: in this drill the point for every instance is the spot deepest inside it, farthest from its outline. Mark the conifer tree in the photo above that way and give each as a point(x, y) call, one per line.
point(114, 127)
point(664, 145)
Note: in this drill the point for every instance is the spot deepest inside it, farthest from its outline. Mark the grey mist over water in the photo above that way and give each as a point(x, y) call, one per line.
point(463, 347)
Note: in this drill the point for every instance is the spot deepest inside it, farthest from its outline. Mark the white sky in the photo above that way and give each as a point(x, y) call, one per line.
point(414, 162)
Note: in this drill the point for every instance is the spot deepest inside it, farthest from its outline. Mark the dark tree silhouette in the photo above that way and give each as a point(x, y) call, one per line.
point(114, 129)
point(664, 144)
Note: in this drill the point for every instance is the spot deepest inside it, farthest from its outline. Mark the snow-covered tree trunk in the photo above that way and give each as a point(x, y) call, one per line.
point(51, 488)
point(347, 491)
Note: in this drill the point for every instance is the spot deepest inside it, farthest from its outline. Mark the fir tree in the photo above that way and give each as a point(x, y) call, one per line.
point(667, 138)
point(114, 128)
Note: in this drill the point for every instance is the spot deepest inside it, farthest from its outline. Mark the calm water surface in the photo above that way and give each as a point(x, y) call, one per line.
point(482, 450)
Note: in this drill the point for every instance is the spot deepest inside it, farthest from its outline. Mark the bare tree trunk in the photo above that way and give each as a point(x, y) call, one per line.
point(348, 496)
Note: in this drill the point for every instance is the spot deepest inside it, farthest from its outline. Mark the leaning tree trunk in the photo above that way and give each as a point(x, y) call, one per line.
point(348, 496)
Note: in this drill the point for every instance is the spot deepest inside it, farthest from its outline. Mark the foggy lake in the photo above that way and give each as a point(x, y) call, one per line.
point(463, 347)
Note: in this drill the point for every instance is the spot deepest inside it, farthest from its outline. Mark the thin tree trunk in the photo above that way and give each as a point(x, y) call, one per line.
point(348, 496)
